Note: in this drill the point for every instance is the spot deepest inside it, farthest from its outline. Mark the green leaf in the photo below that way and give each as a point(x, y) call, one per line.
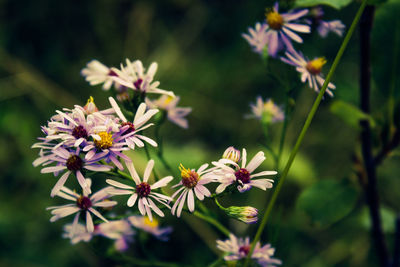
point(327, 201)
point(350, 114)
point(338, 4)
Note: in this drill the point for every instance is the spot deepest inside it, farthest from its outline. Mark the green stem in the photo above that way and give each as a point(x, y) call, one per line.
point(120, 174)
point(160, 152)
point(149, 158)
point(219, 205)
point(212, 221)
point(283, 133)
point(392, 88)
point(304, 130)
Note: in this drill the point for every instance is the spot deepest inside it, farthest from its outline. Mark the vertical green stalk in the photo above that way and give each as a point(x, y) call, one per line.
point(304, 130)
point(283, 133)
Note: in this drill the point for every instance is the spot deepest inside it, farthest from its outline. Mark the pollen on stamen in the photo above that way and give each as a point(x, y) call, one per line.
point(105, 142)
point(143, 189)
point(274, 20)
point(315, 66)
point(189, 178)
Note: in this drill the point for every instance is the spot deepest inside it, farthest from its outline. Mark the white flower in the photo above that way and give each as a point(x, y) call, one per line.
point(134, 76)
point(268, 109)
point(231, 153)
point(96, 73)
point(143, 190)
point(152, 227)
point(239, 248)
point(257, 37)
point(169, 104)
point(192, 184)
point(130, 129)
point(310, 70)
point(82, 204)
point(230, 172)
point(335, 26)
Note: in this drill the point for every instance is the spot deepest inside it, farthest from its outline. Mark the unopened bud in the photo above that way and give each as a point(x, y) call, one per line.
point(90, 106)
point(232, 153)
point(245, 214)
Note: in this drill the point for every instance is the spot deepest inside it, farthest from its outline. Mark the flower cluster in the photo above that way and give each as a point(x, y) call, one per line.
point(277, 32)
point(85, 141)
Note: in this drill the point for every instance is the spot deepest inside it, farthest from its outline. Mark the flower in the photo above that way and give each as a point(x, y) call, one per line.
point(97, 73)
point(230, 172)
point(143, 190)
point(245, 214)
point(257, 37)
point(134, 76)
point(277, 31)
point(175, 114)
point(77, 233)
point(310, 70)
point(82, 204)
point(71, 162)
point(239, 248)
point(130, 129)
point(152, 227)
point(119, 230)
point(192, 184)
point(231, 153)
point(324, 27)
point(268, 111)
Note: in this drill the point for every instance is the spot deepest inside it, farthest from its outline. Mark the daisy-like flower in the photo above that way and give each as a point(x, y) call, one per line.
point(130, 129)
point(257, 37)
point(169, 104)
point(239, 248)
point(120, 231)
point(192, 184)
point(142, 191)
point(82, 204)
point(310, 70)
point(97, 73)
point(230, 172)
point(245, 214)
point(71, 162)
point(324, 27)
point(134, 76)
point(152, 227)
point(77, 234)
point(268, 111)
point(277, 31)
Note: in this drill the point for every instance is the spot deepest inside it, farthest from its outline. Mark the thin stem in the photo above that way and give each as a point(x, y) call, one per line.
point(120, 174)
point(160, 152)
point(218, 204)
point(212, 221)
point(304, 130)
point(149, 158)
point(396, 250)
point(283, 133)
point(394, 77)
point(371, 189)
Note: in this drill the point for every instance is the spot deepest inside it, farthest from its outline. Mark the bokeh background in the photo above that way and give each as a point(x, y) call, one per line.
point(202, 58)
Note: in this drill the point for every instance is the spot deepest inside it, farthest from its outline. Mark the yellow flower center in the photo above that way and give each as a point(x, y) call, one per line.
point(189, 178)
point(315, 66)
point(168, 100)
point(274, 20)
point(105, 142)
point(152, 224)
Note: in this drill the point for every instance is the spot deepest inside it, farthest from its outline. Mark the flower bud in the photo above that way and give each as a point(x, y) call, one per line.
point(245, 214)
point(90, 106)
point(232, 153)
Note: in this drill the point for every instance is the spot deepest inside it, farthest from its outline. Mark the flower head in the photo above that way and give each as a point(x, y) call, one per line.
point(84, 203)
point(169, 104)
point(97, 73)
point(267, 111)
point(152, 227)
point(324, 27)
point(245, 214)
point(142, 191)
point(310, 70)
point(120, 231)
point(232, 153)
point(239, 248)
point(191, 184)
point(277, 31)
point(229, 172)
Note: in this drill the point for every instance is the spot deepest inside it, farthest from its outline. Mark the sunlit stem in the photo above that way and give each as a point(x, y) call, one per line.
point(304, 130)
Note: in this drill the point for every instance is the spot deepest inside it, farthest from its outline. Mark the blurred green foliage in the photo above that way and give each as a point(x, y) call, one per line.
point(203, 58)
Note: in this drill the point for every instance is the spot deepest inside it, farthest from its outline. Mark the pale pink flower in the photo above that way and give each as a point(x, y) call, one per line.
point(142, 191)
